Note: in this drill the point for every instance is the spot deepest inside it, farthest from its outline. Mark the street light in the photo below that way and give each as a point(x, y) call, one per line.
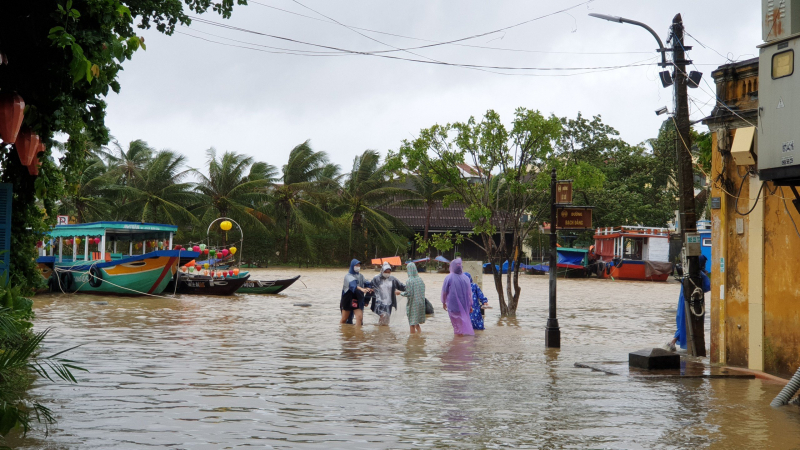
point(666, 79)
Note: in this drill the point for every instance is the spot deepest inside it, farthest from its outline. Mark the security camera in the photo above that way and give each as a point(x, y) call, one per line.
point(661, 111)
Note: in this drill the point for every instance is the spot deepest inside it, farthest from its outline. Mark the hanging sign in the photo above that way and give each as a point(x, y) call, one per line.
point(574, 218)
point(62, 220)
point(564, 192)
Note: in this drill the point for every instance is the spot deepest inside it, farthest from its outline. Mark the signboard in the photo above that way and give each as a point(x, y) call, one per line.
point(692, 245)
point(716, 203)
point(62, 220)
point(564, 192)
point(574, 218)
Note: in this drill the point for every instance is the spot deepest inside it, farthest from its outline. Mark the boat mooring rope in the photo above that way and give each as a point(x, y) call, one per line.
point(57, 270)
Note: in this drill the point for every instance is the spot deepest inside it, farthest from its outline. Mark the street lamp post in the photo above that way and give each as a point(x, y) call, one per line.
point(694, 322)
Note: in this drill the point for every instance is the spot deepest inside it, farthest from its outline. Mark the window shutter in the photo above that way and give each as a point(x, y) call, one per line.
point(5, 228)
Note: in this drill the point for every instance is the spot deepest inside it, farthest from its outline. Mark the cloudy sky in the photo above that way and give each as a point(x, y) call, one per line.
point(188, 93)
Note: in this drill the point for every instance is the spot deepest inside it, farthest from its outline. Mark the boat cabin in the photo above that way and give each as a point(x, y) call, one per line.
point(644, 250)
point(108, 241)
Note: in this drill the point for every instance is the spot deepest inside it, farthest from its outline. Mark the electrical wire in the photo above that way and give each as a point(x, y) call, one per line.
point(434, 62)
point(789, 213)
point(706, 46)
point(758, 196)
point(455, 44)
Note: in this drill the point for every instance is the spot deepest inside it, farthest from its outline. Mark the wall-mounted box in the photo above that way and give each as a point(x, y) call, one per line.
point(781, 19)
point(743, 147)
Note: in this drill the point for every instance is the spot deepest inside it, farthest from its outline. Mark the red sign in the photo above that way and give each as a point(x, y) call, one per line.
point(575, 218)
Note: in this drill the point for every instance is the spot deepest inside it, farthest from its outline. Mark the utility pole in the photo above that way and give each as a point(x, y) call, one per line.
point(552, 336)
point(695, 338)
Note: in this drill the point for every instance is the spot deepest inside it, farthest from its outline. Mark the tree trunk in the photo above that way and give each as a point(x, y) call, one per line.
point(286, 242)
point(428, 220)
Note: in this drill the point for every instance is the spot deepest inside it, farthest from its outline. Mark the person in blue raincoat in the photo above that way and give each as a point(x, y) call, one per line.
point(680, 318)
point(478, 299)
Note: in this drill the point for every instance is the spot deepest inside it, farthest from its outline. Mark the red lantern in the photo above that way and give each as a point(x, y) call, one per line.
point(97, 241)
point(39, 244)
point(27, 144)
point(12, 108)
point(198, 267)
point(33, 167)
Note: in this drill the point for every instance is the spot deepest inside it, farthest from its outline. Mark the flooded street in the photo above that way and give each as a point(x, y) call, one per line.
point(255, 371)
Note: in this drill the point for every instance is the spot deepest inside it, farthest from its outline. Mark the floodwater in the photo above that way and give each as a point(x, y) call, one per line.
point(257, 372)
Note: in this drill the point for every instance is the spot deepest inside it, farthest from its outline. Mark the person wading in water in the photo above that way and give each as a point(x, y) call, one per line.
point(386, 288)
point(353, 291)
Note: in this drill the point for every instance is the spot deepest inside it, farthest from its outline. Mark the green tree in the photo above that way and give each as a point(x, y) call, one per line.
point(160, 192)
point(507, 163)
point(294, 199)
point(127, 164)
point(235, 187)
point(366, 189)
point(90, 198)
point(426, 193)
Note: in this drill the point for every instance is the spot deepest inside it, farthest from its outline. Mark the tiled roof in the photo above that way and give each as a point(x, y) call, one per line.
point(442, 219)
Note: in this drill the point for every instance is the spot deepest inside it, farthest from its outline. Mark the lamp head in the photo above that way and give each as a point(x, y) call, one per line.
point(607, 17)
point(662, 110)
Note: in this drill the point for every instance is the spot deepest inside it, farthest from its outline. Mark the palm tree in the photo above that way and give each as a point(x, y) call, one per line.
point(427, 193)
point(126, 164)
point(367, 189)
point(89, 201)
point(158, 192)
point(303, 176)
point(235, 187)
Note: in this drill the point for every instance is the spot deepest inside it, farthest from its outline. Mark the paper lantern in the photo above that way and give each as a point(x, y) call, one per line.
point(205, 266)
point(78, 241)
point(161, 245)
point(184, 269)
point(27, 145)
point(68, 241)
point(226, 225)
point(205, 252)
point(233, 250)
point(205, 272)
point(236, 271)
point(196, 249)
point(97, 241)
point(225, 252)
point(39, 244)
point(198, 267)
point(191, 269)
point(202, 247)
point(12, 108)
point(212, 253)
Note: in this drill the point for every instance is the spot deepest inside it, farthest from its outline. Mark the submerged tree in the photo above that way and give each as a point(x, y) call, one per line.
point(502, 189)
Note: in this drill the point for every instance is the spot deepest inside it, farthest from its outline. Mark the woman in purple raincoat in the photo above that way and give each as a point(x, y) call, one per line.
point(457, 298)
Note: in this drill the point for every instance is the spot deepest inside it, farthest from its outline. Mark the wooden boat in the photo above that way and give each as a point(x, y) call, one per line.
point(104, 272)
point(633, 253)
point(266, 286)
point(206, 284)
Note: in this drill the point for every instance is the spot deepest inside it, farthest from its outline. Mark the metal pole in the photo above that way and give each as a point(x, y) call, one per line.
point(696, 345)
point(552, 336)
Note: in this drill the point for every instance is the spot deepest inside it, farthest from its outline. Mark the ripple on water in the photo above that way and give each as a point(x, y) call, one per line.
point(258, 371)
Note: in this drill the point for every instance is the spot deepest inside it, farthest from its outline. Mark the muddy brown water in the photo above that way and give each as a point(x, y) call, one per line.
point(257, 372)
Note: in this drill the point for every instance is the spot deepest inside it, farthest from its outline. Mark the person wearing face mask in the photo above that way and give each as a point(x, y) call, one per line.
point(354, 290)
point(386, 288)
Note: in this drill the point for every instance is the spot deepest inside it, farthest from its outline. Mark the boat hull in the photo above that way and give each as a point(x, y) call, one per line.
point(267, 286)
point(205, 285)
point(135, 275)
point(632, 270)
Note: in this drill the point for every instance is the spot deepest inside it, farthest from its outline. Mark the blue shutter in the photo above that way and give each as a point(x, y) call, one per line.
point(5, 228)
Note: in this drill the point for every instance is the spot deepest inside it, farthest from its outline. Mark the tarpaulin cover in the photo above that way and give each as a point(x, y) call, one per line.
point(394, 261)
point(417, 261)
point(442, 259)
point(571, 259)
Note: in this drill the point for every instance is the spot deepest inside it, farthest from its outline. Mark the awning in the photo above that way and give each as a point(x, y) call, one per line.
point(133, 231)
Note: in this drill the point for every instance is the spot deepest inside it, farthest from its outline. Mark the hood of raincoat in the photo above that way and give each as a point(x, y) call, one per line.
point(468, 276)
point(386, 266)
point(411, 269)
point(703, 260)
point(456, 266)
point(353, 264)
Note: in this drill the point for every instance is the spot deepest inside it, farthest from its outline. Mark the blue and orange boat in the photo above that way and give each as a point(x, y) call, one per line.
point(86, 258)
point(633, 253)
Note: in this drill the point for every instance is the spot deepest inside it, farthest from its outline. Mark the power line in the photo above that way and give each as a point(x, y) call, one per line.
point(455, 44)
point(354, 52)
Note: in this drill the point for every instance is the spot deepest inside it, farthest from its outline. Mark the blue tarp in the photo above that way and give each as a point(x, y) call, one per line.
point(442, 259)
point(571, 258)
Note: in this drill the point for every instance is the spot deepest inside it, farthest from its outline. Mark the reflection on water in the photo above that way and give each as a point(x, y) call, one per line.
point(208, 373)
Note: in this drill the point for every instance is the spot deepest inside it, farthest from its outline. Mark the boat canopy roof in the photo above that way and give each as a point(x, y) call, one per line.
point(128, 231)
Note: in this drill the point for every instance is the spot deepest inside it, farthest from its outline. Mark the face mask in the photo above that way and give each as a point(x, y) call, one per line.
point(356, 269)
point(385, 275)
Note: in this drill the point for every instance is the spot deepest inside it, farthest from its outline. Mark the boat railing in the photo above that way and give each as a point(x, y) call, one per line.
point(648, 231)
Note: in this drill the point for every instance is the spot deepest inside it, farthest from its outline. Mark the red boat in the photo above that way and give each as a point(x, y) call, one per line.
point(633, 253)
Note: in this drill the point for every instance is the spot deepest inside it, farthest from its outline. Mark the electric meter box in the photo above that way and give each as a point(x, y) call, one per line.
point(778, 135)
point(692, 246)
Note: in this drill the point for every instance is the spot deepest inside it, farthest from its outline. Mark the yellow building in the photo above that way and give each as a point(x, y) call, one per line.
point(755, 271)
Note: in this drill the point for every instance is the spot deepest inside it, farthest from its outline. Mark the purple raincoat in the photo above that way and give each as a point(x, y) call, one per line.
point(457, 295)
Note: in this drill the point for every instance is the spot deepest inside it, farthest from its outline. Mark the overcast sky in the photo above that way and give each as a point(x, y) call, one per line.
point(187, 94)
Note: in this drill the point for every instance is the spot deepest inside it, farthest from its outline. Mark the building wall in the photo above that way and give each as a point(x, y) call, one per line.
point(755, 319)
